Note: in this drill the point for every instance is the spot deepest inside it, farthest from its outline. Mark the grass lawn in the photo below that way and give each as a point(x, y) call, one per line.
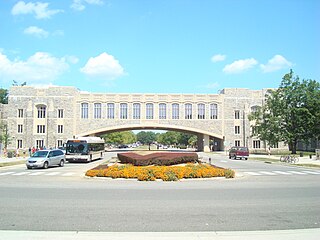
point(11, 163)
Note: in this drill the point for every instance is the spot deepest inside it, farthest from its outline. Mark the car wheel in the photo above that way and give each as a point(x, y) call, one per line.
point(229, 157)
point(61, 163)
point(29, 167)
point(246, 158)
point(45, 165)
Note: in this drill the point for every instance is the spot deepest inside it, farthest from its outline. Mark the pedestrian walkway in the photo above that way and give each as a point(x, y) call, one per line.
point(286, 173)
point(37, 173)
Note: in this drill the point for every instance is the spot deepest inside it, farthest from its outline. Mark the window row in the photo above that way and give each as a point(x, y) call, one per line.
point(39, 144)
point(41, 112)
point(40, 128)
point(149, 111)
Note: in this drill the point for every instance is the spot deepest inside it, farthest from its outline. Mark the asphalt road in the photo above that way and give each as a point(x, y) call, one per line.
point(60, 201)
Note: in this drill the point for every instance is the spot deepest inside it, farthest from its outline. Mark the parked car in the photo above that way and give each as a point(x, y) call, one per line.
point(239, 152)
point(46, 158)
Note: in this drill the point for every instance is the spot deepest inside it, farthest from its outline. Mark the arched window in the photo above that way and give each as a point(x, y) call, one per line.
point(136, 111)
point(41, 111)
point(175, 111)
point(201, 111)
point(84, 110)
point(188, 111)
point(97, 110)
point(255, 108)
point(162, 111)
point(149, 111)
point(213, 111)
point(123, 111)
point(110, 110)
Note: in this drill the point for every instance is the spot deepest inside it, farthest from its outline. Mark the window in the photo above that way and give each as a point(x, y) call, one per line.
point(237, 129)
point(97, 110)
point(201, 111)
point(60, 113)
point(19, 143)
point(254, 108)
point(41, 111)
point(20, 113)
point(41, 129)
point(237, 143)
point(39, 144)
point(136, 111)
point(162, 111)
point(237, 114)
point(175, 111)
point(256, 143)
point(188, 111)
point(110, 110)
point(84, 110)
point(20, 128)
point(60, 128)
point(59, 143)
point(123, 111)
point(213, 111)
point(149, 111)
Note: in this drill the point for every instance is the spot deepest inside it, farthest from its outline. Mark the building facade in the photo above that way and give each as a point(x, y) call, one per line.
point(49, 116)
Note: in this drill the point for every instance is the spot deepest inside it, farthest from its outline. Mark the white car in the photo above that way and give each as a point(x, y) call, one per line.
point(46, 158)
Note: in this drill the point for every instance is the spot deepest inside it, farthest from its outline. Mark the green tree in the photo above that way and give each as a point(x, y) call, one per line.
point(146, 137)
point(4, 136)
point(124, 137)
point(290, 114)
point(3, 96)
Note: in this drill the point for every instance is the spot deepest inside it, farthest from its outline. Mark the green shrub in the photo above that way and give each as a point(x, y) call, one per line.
point(228, 173)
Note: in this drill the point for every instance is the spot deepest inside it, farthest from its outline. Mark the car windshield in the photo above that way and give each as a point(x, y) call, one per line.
point(40, 154)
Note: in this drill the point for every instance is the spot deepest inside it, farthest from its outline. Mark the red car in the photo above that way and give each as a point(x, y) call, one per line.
point(239, 152)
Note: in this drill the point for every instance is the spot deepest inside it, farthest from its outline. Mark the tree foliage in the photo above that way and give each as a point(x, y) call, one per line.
point(125, 137)
point(291, 113)
point(3, 96)
point(146, 137)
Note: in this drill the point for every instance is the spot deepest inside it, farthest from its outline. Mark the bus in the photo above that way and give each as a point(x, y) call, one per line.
point(84, 149)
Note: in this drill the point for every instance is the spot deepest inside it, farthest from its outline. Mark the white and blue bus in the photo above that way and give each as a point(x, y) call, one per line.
point(84, 149)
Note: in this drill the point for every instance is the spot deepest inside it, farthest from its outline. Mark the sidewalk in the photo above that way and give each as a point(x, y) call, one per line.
point(297, 234)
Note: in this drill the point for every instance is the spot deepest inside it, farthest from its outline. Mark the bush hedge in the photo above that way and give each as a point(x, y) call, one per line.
point(159, 158)
point(166, 173)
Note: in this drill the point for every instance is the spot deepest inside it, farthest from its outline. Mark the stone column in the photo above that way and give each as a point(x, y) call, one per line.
point(206, 143)
point(203, 143)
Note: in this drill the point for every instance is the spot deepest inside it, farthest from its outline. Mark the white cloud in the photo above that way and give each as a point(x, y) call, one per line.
point(240, 65)
point(276, 63)
point(218, 58)
point(104, 66)
point(39, 9)
point(36, 31)
point(79, 5)
point(40, 68)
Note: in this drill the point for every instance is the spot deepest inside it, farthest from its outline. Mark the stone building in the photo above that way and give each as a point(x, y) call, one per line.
point(49, 116)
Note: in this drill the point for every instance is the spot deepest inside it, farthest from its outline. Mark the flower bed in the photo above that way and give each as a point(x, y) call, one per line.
point(166, 173)
point(157, 158)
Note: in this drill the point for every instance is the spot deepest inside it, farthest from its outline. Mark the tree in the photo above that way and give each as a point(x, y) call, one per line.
point(290, 114)
point(146, 137)
point(124, 137)
point(3, 96)
point(4, 136)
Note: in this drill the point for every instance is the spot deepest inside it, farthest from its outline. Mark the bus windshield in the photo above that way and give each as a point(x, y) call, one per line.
point(77, 147)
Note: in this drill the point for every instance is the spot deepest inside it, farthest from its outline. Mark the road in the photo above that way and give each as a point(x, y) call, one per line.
point(263, 197)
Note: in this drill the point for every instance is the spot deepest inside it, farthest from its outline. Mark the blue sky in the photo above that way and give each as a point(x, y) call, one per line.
point(158, 46)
